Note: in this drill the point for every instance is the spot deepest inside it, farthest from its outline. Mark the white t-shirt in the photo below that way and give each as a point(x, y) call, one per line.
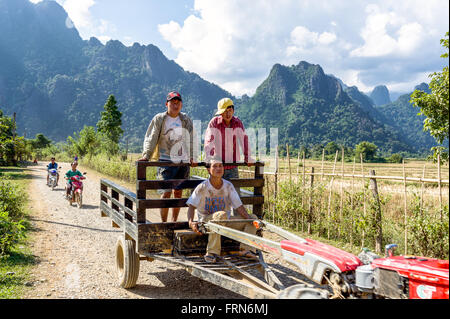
point(208, 199)
point(170, 144)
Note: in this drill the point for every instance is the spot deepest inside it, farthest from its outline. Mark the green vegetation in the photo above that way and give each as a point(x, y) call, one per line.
point(12, 213)
point(109, 126)
point(350, 221)
point(435, 107)
point(429, 230)
point(15, 257)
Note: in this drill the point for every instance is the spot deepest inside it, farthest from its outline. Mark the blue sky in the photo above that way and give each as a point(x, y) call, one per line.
point(235, 43)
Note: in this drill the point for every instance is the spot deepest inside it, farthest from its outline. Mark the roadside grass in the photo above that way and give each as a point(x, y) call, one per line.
point(14, 272)
point(15, 266)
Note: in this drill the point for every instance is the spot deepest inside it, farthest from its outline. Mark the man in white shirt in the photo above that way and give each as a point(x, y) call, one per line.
point(169, 139)
point(213, 200)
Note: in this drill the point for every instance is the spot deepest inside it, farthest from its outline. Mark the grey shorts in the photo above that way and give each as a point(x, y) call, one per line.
point(172, 172)
point(232, 173)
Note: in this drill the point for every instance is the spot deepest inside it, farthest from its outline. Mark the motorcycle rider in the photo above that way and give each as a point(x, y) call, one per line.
point(72, 172)
point(53, 165)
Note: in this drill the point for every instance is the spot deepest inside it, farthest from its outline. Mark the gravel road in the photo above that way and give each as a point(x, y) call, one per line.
point(74, 249)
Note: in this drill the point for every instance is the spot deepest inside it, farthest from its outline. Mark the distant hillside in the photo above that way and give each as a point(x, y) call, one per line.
point(380, 95)
point(309, 107)
point(56, 82)
point(402, 115)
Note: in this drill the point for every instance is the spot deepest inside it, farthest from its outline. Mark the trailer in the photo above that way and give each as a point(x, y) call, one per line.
point(325, 272)
point(176, 243)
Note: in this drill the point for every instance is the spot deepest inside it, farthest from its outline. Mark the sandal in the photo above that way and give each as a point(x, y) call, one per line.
point(211, 259)
point(248, 254)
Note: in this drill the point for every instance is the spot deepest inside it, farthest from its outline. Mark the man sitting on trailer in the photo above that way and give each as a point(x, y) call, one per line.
point(213, 200)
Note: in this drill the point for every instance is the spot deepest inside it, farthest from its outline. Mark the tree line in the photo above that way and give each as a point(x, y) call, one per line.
point(89, 141)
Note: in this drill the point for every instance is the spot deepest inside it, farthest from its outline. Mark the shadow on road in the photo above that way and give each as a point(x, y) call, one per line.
point(90, 206)
point(171, 278)
point(75, 226)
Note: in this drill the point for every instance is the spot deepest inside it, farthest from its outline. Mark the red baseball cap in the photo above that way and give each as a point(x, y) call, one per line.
point(173, 95)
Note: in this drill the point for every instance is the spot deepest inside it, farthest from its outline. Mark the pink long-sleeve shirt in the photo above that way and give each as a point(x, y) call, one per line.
point(221, 140)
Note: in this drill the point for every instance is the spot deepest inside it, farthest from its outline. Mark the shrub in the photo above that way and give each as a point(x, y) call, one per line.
point(11, 232)
point(395, 158)
point(12, 224)
point(12, 199)
point(428, 231)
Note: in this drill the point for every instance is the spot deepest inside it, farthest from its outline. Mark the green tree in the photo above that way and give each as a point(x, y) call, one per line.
point(7, 140)
point(367, 149)
point(86, 142)
point(331, 148)
point(41, 141)
point(395, 158)
point(435, 106)
point(109, 125)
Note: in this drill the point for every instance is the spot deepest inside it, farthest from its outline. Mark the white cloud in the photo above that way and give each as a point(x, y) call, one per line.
point(235, 44)
point(80, 16)
point(78, 11)
point(378, 42)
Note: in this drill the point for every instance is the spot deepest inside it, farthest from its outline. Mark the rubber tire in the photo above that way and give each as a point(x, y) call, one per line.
point(301, 291)
point(127, 262)
point(79, 200)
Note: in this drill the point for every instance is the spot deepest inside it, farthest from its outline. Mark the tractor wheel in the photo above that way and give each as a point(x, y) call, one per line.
point(127, 262)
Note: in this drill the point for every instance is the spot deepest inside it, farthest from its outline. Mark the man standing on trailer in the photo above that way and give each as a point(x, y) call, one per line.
point(223, 136)
point(169, 138)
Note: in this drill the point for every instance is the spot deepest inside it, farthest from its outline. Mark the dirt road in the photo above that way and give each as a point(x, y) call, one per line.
point(75, 251)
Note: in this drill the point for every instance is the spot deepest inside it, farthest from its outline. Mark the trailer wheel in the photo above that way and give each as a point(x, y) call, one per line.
point(303, 292)
point(127, 262)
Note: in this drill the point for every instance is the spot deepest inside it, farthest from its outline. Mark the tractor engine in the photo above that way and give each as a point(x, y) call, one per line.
point(404, 277)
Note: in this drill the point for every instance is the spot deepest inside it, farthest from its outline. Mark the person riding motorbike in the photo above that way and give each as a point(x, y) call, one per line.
point(53, 165)
point(72, 172)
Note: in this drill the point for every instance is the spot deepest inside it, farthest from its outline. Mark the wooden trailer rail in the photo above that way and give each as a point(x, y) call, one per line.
point(123, 215)
point(130, 214)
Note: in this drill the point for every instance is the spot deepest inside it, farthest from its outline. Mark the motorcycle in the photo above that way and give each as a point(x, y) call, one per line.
point(76, 192)
point(53, 176)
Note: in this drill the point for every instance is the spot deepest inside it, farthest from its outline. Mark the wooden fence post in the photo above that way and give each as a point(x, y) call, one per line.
point(422, 189)
point(377, 213)
point(276, 173)
point(323, 158)
point(342, 196)
point(351, 201)
point(329, 197)
point(310, 208)
point(289, 163)
point(439, 183)
point(303, 191)
point(364, 199)
point(405, 209)
point(303, 183)
point(275, 184)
